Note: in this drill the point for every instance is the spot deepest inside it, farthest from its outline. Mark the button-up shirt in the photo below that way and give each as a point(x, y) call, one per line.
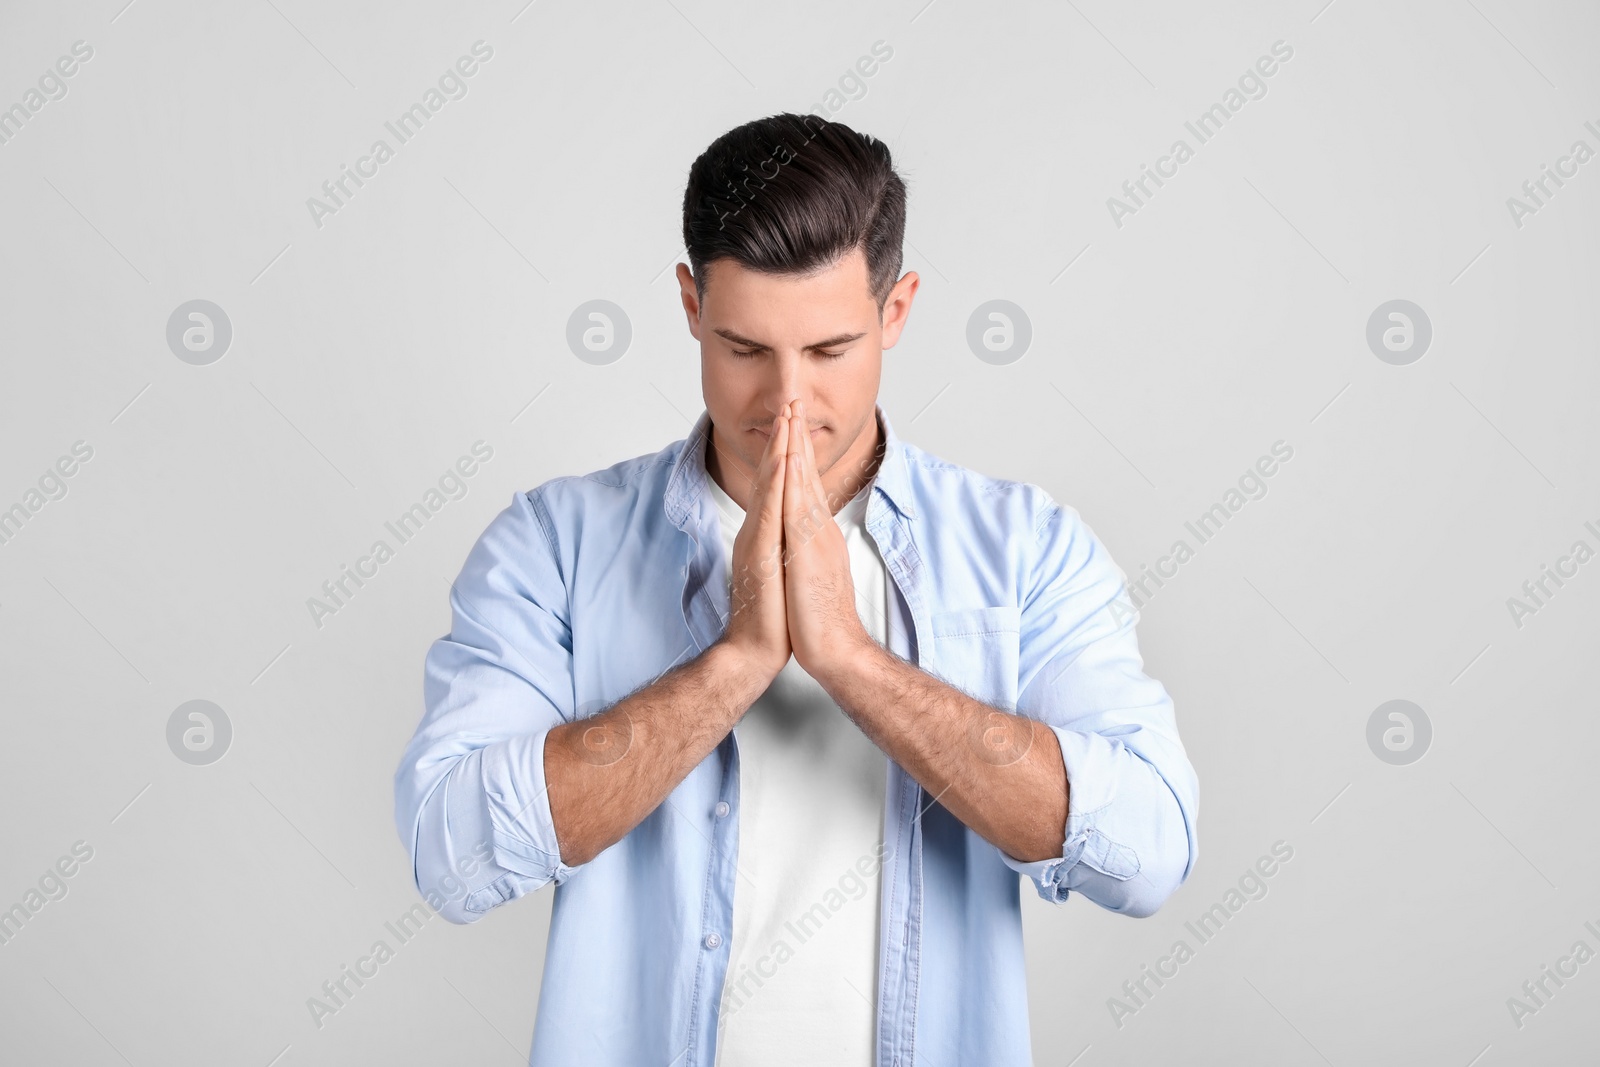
point(590, 587)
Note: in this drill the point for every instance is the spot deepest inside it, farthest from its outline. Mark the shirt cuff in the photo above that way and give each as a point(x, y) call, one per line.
point(517, 797)
point(1092, 762)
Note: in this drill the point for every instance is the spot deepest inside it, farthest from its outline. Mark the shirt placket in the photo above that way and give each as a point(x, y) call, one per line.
point(901, 903)
point(703, 571)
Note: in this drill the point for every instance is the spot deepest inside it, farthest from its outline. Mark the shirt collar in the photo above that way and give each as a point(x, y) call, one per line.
point(688, 480)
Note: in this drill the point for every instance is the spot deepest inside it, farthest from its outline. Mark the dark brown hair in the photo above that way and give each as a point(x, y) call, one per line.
point(791, 194)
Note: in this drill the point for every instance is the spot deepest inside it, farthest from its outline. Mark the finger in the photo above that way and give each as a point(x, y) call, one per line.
point(813, 477)
point(770, 504)
point(805, 460)
point(797, 433)
point(801, 503)
point(769, 453)
point(777, 437)
point(794, 503)
point(764, 516)
point(765, 464)
point(791, 458)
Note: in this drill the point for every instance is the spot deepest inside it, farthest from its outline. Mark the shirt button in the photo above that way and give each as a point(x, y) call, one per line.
point(713, 939)
point(722, 809)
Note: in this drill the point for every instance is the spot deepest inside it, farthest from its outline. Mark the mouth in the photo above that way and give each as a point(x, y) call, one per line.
point(814, 431)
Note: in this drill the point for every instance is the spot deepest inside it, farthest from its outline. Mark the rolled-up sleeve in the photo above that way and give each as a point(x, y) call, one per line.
point(471, 803)
point(1132, 794)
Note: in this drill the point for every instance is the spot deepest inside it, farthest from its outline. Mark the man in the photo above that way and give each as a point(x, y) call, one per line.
point(786, 708)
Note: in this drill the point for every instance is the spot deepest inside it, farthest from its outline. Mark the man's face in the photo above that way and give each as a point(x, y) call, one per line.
point(767, 340)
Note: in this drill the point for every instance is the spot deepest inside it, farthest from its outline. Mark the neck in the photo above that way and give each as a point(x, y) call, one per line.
point(856, 468)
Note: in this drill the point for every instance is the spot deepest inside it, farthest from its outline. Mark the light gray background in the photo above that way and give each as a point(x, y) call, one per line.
point(1167, 355)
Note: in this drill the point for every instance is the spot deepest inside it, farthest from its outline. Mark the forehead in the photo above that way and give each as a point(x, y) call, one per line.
point(735, 293)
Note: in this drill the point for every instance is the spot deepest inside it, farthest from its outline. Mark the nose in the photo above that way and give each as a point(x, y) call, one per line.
point(784, 384)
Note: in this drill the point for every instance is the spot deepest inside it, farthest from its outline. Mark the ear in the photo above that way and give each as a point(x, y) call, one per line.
point(691, 299)
point(897, 308)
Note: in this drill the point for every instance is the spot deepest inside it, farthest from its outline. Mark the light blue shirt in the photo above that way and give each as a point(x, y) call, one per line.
point(590, 587)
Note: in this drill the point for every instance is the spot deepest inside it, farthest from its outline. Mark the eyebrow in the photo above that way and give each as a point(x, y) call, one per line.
point(832, 342)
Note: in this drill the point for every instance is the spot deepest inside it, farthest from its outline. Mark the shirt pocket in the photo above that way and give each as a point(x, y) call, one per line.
point(976, 650)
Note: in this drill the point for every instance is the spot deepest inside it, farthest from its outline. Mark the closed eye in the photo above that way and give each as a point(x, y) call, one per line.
point(826, 355)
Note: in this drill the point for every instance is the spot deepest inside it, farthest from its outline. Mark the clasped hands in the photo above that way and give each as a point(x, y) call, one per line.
point(792, 593)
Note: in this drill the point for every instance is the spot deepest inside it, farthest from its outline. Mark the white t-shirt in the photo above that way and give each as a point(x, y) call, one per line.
point(802, 977)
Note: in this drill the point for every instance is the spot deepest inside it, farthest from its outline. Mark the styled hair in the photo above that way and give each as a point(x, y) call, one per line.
point(793, 194)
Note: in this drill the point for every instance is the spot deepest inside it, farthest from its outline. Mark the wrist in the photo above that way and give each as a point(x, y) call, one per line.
point(852, 662)
point(732, 666)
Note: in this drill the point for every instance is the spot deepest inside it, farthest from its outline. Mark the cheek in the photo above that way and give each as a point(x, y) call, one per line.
point(724, 382)
point(860, 378)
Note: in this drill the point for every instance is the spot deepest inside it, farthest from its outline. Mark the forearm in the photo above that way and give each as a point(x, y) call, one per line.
point(1000, 774)
point(607, 772)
